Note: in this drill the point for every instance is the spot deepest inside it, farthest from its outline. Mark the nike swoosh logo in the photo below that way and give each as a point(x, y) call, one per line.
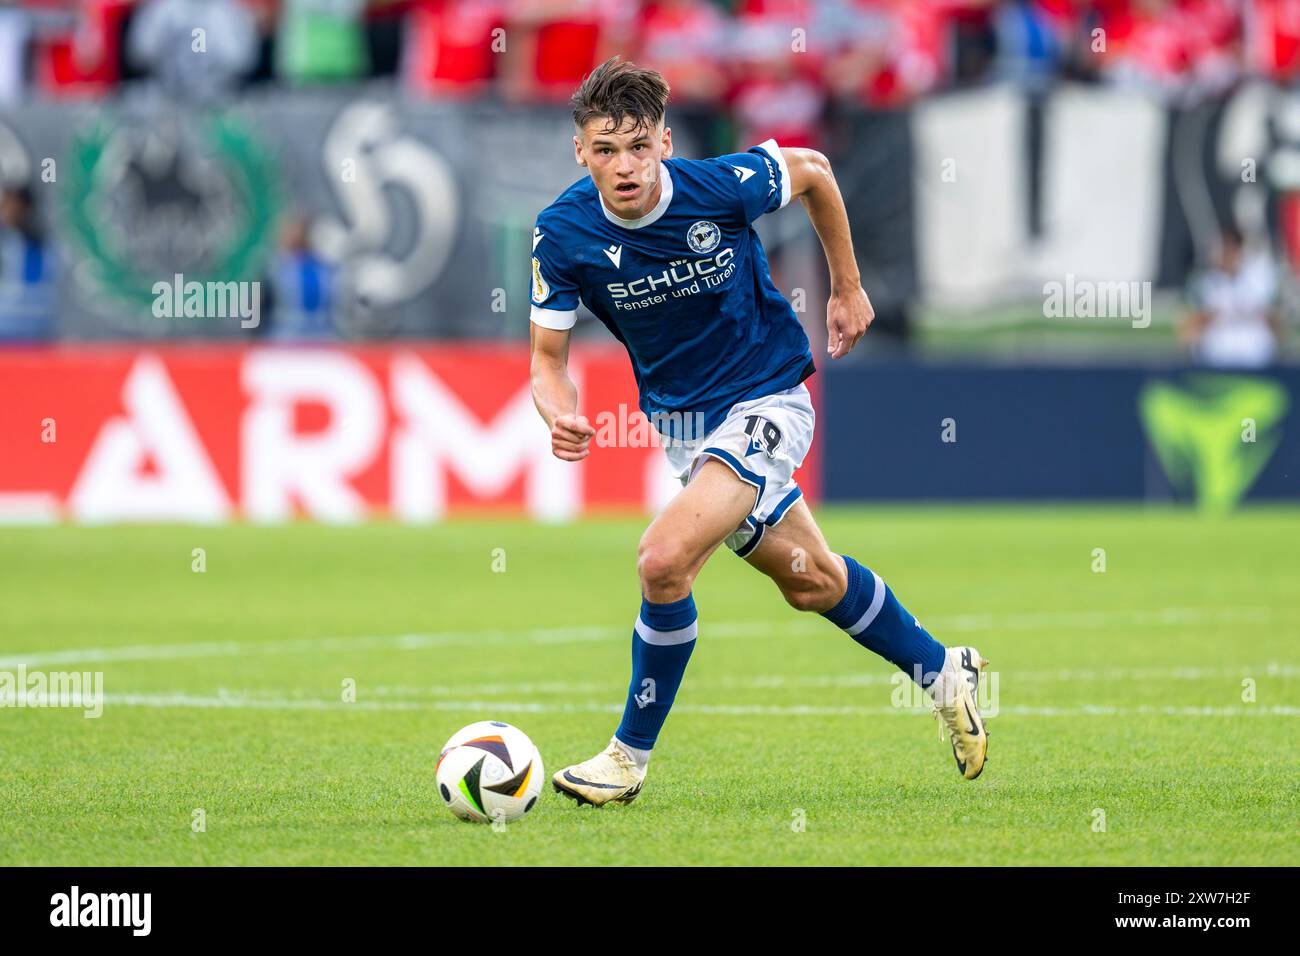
point(589, 783)
point(971, 717)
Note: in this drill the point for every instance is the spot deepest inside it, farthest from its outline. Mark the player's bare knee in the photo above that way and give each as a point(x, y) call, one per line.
point(663, 568)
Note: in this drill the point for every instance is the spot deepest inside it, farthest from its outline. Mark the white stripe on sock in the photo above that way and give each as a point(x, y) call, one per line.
point(877, 602)
point(663, 638)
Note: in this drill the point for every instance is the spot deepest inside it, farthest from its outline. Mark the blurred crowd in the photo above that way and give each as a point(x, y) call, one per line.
point(769, 68)
point(791, 56)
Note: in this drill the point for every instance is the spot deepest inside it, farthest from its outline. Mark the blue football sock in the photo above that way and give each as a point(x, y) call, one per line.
point(871, 615)
point(662, 642)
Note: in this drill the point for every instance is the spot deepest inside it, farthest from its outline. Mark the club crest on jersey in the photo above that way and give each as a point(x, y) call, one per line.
point(540, 289)
point(704, 236)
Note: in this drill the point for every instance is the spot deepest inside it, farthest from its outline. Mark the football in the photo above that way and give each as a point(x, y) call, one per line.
point(489, 771)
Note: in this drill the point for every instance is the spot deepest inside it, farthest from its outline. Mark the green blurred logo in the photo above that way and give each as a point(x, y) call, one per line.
point(1215, 436)
point(151, 198)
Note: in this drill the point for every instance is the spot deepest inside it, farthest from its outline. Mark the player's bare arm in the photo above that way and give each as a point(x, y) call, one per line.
point(849, 312)
point(555, 395)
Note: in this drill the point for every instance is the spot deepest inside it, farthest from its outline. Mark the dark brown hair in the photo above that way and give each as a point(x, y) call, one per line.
point(618, 89)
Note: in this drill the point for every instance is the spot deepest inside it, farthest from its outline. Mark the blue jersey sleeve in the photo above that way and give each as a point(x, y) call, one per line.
point(762, 179)
point(554, 292)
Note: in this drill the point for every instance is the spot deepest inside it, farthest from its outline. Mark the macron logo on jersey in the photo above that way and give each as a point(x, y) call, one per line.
point(537, 237)
point(615, 254)
point(744, 172)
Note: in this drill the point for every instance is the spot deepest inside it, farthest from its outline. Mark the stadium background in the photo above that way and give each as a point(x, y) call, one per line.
point(375, 168)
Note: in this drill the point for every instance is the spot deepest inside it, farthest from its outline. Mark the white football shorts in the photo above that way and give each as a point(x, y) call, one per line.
point(763, 441)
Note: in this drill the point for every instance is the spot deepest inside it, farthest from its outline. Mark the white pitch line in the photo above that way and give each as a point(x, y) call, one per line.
point(1063, 675)
point(232, 701)
point(851, 680)
point(726, 630)
point(317, 645)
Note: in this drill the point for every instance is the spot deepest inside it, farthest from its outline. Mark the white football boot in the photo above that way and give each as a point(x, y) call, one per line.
point(611, 775)
point(955, 693)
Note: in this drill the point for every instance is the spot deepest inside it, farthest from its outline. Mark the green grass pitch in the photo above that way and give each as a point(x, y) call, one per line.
point(1124, 697)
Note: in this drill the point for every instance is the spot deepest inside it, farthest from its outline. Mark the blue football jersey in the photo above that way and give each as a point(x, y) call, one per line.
point(686, 288)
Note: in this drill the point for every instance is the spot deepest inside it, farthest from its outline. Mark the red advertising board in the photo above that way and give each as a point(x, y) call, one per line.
point(214, 433)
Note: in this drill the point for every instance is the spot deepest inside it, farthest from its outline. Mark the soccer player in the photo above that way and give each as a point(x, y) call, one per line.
point(662, 251)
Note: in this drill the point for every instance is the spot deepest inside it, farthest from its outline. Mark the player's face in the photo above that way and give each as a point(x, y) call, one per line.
point(624, 164)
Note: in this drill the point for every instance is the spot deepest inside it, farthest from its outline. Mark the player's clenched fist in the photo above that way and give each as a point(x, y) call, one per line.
point(570, 437)
point(847, 318)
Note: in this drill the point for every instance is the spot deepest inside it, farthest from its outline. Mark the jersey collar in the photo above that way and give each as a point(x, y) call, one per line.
point(665, 197)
